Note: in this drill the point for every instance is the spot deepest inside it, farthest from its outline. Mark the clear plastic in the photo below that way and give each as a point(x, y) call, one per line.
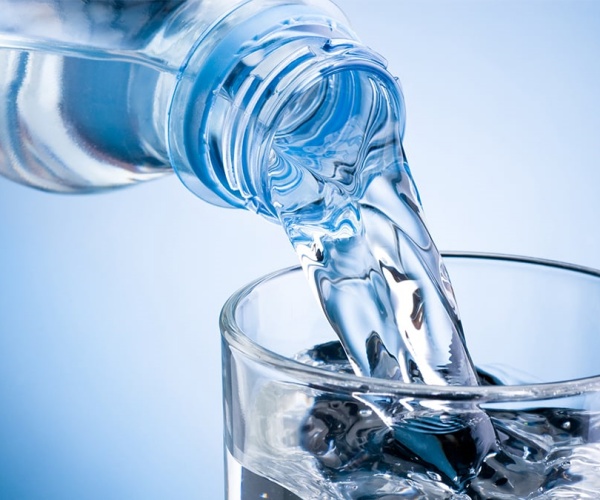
point(96, 95)
point(299, 424)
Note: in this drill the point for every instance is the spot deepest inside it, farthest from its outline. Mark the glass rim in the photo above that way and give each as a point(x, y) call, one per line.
point(348, 382)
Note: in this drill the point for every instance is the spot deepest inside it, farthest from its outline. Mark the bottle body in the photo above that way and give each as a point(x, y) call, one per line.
point(87, 88)
point(59, 134)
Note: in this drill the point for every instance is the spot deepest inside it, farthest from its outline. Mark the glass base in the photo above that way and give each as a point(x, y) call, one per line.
point(243, 484)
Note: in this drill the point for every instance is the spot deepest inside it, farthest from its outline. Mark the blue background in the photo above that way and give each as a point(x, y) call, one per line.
point(109, 345)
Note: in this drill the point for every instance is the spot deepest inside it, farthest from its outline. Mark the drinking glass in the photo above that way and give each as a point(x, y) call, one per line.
point(299, 424)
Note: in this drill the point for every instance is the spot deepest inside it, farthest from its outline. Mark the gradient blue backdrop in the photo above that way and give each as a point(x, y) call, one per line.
point(109, 345)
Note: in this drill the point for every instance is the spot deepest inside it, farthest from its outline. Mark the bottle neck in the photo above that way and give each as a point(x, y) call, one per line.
point(264, 77)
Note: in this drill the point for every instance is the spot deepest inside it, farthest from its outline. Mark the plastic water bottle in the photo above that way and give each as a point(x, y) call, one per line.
point(96, 95)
